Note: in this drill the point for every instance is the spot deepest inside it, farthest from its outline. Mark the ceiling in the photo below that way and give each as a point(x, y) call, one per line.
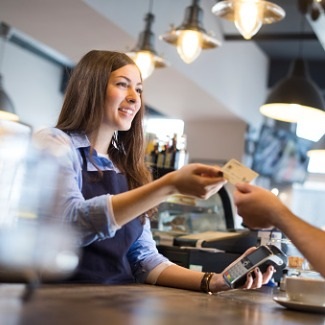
point(223, 83)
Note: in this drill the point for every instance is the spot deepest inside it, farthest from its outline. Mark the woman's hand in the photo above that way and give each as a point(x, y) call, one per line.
point(197, 180)
point(252, 282)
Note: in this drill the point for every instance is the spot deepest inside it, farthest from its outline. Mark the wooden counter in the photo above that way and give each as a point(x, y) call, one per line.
point(142, 305)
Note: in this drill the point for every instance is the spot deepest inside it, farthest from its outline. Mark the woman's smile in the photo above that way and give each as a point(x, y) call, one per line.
point(127, 111)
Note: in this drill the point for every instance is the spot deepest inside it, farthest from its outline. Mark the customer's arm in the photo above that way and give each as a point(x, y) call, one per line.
point(260, 208)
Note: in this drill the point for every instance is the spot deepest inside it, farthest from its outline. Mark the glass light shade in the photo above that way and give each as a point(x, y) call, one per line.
point(145, 61)
point(248, 17)
point(189, 45)
point(144, 54)
point(190, 37)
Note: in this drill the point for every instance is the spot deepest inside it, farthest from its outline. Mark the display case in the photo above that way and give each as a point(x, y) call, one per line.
point(182, 216)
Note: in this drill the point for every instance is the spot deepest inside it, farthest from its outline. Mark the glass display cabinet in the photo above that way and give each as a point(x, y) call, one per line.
point(181, 217)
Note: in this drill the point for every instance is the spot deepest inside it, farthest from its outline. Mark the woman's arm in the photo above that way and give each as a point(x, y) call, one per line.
point(100, 217)
point(182, 278)
point(194, 179)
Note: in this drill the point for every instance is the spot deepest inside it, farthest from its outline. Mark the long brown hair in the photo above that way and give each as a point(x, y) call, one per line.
point(83, 111)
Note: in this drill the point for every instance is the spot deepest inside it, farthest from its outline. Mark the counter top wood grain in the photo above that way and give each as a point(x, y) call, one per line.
point(144, 304)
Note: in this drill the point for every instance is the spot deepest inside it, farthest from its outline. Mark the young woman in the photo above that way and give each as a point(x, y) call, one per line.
point(111, 193)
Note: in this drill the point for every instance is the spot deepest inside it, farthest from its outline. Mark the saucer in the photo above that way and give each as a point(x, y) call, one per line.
point(299, 305)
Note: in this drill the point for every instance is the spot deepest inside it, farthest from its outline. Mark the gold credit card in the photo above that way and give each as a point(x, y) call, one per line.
point(235, 172)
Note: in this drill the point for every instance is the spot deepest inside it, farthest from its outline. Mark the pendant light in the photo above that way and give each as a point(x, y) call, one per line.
point(313, 8)
point(144, 54)
point(297, 99)
point(190, 37)
point(7, 111)
point(248, 15)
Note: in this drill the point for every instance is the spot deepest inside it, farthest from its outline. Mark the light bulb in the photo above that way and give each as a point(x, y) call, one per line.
point(145, 62)
point(311, 128)
point(248, 17)
point(189, 45)
point(316, 162)
point(310, 121)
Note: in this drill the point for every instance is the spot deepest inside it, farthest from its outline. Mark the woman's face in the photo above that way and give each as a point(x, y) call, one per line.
point(123, 97)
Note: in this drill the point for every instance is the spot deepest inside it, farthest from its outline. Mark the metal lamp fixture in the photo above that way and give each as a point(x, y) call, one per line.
point(296, 99)
point(312, 7)
point(248, 15)
point(7, 111)
point(144, 54)
point(190, 37)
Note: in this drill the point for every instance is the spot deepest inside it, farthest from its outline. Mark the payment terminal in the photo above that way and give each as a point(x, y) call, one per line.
point(262, 257)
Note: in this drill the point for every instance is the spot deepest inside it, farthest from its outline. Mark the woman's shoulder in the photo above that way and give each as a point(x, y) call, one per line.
point(57, 141)
point(53, 139)
point(53, 134)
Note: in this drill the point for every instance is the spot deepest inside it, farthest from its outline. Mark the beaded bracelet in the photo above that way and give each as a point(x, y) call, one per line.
point(205, 282)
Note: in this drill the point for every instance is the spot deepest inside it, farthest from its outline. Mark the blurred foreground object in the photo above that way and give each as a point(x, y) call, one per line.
point(35, 243)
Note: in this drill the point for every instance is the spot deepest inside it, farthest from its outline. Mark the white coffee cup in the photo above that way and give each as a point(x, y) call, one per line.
point(306, 290)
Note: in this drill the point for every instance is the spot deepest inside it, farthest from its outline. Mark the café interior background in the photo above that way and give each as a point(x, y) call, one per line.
point(217, 96)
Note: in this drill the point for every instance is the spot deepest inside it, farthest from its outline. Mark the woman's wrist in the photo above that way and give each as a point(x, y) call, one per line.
point(205, 282)
point(167, 182)
point(217, 283)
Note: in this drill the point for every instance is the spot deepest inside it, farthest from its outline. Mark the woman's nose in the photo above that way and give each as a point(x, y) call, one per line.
point(131, 99)
point(132, 96)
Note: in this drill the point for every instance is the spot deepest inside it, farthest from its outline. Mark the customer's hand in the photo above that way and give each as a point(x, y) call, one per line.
point(252, 282)
point(197, 180)
point(258, 207)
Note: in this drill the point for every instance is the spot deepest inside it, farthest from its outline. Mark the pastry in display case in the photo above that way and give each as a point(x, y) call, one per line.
point(183, 215)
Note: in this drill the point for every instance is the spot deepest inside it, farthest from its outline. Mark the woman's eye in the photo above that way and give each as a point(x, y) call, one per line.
point(122, 84)
point(139, 91)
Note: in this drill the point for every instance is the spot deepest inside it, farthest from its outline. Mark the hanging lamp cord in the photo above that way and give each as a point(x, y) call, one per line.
point(150, 6)
point(301, 42)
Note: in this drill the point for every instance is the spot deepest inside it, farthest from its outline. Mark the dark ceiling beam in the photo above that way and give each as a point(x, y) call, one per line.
point(279, 68)
point(28, 46)
point(19, 39)
point(273, 37)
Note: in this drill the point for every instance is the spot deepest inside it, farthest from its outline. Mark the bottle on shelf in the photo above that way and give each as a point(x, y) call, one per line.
point(154, 154)
point(171, 153)
point(181, 154)
point(162, 156)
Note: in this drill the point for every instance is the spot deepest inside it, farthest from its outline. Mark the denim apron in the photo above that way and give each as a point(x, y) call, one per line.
point(105, 261)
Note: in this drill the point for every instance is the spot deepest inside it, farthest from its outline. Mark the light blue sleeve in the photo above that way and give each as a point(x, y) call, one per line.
point(143, 254)
point(92, 218)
